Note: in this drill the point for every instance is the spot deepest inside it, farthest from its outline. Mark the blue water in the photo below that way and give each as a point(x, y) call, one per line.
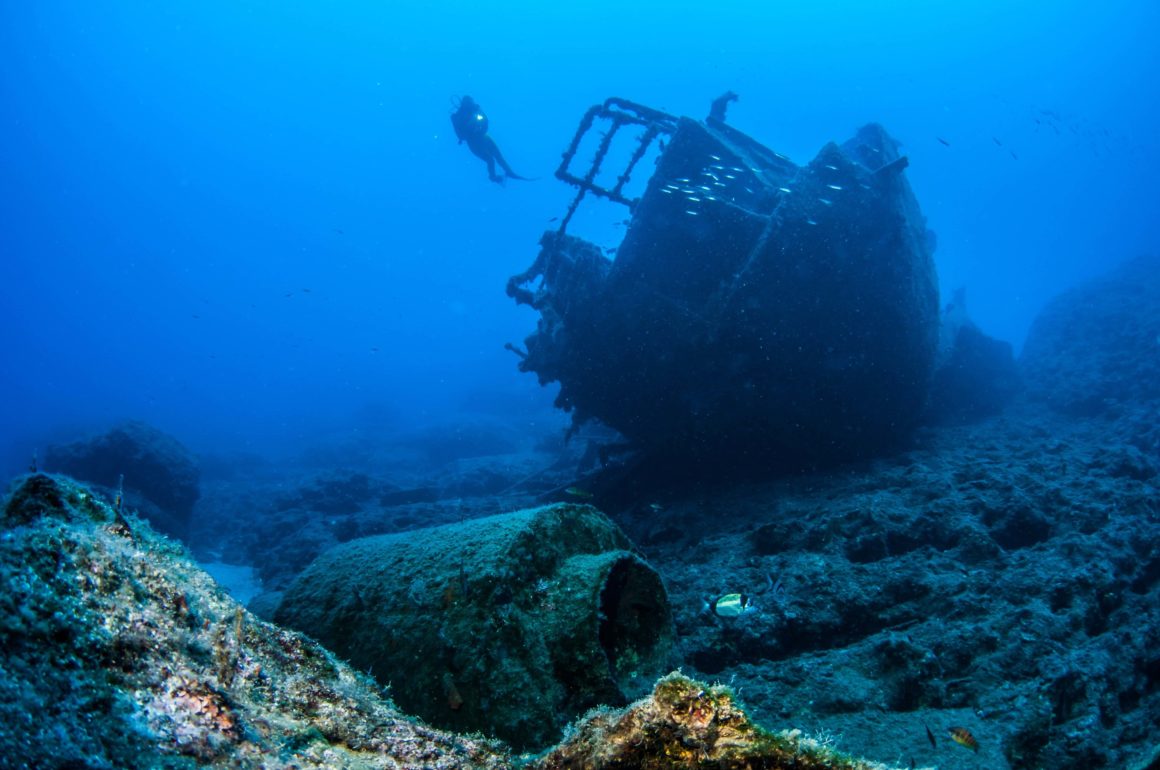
point(248, 222)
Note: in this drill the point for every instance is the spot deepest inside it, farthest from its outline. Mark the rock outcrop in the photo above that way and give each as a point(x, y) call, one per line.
point(685, 724)
point(1096, 348)
point(130, 656)
point(160, 476)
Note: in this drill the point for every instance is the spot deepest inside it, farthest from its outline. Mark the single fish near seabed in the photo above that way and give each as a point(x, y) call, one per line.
point(963, 737)
point(731, 605)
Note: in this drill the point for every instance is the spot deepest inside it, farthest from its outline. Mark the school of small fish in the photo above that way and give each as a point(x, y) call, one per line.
point(715, 182)
point(720, 182)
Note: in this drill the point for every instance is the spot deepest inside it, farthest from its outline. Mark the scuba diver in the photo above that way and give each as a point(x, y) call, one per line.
point(471, 126)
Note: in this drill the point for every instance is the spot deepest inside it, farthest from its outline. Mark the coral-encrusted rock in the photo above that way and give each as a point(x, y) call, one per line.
point(127, 655)
point(685, 724)
point(155, 466)
point(1098, 345)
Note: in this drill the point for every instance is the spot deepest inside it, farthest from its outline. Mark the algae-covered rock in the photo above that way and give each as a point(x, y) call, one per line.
point(511, 624)
point(120, 652)
point(685, 724)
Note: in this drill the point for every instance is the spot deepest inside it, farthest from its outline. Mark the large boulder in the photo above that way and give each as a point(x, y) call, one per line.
point(757, 314)
point(1097, 347)
point(159, 476)
point(512, 624)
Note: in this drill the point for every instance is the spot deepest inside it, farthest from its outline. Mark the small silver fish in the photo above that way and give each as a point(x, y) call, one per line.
point(810, 222)
point(714, 157)
point(831, 168)
point(690, 212)
point(834, 186)
point(694, 200)
point(827, 202)
point(783, 189)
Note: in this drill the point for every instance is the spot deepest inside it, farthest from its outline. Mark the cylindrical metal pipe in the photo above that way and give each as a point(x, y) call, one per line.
point(512, 625)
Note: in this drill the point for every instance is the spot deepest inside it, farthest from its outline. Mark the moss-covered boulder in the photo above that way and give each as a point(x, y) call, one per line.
point(511, 624)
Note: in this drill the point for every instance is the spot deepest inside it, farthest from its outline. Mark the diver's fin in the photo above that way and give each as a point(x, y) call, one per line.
point(507, 170)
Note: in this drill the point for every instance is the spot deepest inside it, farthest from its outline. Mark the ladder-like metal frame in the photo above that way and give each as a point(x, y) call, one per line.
point(619, 112)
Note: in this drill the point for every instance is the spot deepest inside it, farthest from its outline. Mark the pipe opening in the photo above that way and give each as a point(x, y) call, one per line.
point(635, 622)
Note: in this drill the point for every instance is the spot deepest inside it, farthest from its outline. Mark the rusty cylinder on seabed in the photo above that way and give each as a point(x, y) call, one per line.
point(512, 625)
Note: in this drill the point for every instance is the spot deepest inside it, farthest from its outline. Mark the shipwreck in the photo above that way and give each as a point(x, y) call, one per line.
point(757, 315)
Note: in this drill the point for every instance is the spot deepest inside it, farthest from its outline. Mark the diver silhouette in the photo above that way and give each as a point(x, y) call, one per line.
point(471, 126)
